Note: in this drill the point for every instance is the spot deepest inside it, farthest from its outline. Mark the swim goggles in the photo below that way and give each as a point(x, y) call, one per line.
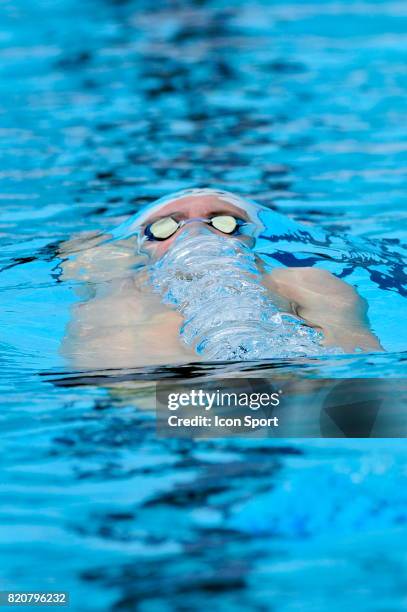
point(167, 226)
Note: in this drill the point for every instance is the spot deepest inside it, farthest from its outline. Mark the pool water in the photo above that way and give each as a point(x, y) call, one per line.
point(105, 106)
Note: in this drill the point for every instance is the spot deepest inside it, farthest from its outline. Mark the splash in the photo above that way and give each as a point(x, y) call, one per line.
point(214, 282)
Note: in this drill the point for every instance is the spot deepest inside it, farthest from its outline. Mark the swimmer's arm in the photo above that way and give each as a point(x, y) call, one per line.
point(327, 303)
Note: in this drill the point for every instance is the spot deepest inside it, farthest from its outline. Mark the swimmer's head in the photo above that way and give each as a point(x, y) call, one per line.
point(192, 211)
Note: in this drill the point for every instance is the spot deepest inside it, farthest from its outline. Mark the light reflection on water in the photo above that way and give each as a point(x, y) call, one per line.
point(106, 106)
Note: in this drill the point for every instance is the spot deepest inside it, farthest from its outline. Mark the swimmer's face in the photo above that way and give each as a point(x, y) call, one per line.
point(222, 218)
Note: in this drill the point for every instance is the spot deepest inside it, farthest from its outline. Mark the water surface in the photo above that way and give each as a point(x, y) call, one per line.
point(106, 106)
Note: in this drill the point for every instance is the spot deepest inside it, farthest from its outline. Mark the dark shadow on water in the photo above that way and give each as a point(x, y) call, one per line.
point(363, 365)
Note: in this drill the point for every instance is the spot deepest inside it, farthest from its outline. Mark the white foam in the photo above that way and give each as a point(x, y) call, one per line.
point(228, 314)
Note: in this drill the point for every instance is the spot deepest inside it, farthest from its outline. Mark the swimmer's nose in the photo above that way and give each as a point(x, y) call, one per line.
point(195, 227)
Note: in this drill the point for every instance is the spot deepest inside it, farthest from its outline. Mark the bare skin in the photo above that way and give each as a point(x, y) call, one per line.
point(120, 322)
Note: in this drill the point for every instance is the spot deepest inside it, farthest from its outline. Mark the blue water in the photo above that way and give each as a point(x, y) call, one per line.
point(104, 107)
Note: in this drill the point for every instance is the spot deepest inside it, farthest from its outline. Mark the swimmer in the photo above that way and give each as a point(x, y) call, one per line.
point(121, 320)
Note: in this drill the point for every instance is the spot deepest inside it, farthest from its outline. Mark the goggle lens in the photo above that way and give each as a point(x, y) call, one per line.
point(163, 228)
point(166, 227)
point(224, 223)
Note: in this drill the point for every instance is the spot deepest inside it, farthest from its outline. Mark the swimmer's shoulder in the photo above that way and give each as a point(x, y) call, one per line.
point(92, 257)
point(289, 282)
point(311, 282)
point(316, 294)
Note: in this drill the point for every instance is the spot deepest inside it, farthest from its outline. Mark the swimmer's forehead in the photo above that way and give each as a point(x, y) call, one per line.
point(196, 207)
